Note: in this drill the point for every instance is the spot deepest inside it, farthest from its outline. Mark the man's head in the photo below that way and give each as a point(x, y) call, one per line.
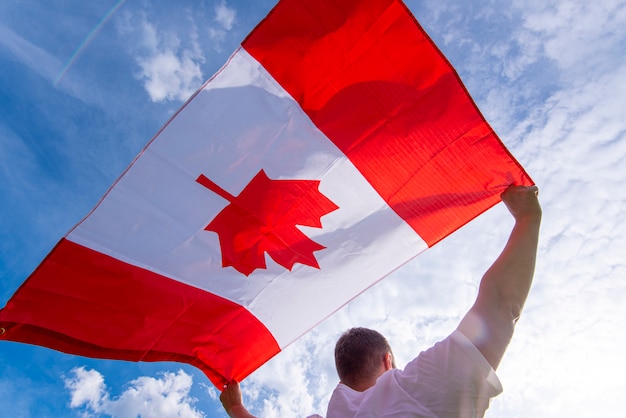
point(362, 355)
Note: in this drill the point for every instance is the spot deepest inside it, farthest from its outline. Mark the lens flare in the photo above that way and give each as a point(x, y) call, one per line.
point(87, 40)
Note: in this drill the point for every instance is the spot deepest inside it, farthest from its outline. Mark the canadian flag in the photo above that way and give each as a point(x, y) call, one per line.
point(334, 146)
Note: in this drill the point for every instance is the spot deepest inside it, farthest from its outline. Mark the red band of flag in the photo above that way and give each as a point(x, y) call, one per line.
point(373, 81)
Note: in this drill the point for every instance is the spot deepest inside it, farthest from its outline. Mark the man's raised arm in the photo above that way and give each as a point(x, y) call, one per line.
point(503, 289)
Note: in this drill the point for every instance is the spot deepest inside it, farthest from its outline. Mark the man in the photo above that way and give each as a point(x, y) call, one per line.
point(456, 377)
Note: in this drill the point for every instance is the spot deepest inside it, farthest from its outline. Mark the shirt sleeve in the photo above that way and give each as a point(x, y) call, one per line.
point(451, 379)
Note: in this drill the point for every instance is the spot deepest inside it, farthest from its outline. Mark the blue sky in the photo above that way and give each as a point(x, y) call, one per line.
point(85, 85)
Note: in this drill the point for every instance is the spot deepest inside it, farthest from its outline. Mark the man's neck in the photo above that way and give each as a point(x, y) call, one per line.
point(363, 385)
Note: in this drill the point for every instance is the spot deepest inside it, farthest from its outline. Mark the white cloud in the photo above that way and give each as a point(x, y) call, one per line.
point(87, 388)
point(169, 70)
point(164, 397)
point(295, 383)
point(574, 145)
point(224, 15)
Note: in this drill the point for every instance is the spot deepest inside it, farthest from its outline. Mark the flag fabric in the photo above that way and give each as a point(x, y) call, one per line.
point(335, 145)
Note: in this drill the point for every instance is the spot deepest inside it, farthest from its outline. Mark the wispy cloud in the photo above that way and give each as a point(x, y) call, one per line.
point(18, 395)
point(577, 34)
point(35, 58)
point(164, 397)
point(45, 64)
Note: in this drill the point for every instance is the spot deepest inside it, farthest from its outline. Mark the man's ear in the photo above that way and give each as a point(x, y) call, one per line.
point(388, 361)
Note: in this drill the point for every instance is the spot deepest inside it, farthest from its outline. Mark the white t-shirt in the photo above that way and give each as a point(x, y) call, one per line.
point(451, 379)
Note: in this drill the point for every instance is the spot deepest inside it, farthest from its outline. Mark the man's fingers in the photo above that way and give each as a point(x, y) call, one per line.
point(520, 189)
point(522, 201)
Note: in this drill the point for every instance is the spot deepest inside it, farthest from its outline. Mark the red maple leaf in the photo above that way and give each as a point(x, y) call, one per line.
point(263, 218)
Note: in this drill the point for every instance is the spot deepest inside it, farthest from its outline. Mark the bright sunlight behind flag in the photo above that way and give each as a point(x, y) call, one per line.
point(334, 146)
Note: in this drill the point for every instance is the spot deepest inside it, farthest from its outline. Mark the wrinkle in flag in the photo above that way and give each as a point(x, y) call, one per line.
point(335, 145)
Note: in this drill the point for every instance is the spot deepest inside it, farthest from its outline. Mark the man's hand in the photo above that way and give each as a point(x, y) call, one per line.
point(522, 202)
point(232, 401)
